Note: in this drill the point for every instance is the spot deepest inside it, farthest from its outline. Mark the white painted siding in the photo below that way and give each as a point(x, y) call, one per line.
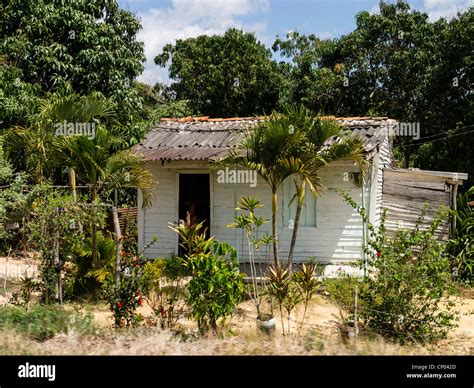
point(382, 159)
point(337, 236)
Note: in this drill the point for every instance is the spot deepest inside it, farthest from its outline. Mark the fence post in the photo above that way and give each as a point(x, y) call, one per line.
point(356, 326)
point(6, 273)
point(118, 236)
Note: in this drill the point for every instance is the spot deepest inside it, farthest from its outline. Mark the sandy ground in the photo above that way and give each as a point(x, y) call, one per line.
point(12, 268)
point(318, 336)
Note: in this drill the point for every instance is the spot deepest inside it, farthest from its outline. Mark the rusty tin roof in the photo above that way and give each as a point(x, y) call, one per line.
point(203, 138)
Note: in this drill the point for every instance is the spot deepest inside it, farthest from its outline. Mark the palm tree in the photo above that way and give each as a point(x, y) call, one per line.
point(39, 142)
point(316, 151)
point(269, 149)
point(294, 144)
point(98, 163)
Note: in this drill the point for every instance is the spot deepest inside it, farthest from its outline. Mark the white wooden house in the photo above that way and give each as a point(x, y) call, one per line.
point(179, 152)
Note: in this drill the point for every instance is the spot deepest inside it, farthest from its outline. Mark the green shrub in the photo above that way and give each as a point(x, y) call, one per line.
point(56, 230)
point(43, 322)
point(13, 200)
point(125, 297)
point(164, 289)
point(408, 282)
point(341, 290)
point(22, 297)
point(216, 286)
point(461, 245)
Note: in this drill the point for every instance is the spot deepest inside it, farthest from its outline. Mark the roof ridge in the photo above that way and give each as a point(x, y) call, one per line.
point(192, 119)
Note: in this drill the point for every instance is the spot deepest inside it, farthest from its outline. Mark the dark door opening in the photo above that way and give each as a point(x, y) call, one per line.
point(194, 201)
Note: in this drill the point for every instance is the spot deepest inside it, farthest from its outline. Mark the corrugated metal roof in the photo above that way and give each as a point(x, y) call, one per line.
point(202, 138)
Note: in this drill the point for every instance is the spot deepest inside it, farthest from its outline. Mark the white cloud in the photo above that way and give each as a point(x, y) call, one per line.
point(445, 8)
point(375, 10)
point(190, 18)
point(325, 35)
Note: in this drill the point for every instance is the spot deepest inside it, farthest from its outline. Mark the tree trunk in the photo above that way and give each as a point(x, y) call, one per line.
point(56, 259)
point(94, 227)
point(406, 157)
point(274, 228)
point(72, 182)
point(301, 193)
point(293, 237)
point(118, 236)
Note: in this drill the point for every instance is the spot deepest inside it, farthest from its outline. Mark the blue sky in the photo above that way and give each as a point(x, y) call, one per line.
point(164, 21)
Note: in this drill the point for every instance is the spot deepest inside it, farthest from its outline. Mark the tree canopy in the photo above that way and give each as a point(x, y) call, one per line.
point(77, 46)
point(222, 76)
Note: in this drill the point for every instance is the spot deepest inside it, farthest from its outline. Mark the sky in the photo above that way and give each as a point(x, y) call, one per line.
point(164, 21)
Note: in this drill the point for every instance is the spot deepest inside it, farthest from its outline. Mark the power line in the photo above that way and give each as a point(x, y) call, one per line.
point(442, 138)
point(446, 132)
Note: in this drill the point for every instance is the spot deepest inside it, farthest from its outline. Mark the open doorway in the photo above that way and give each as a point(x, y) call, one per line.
point(195, 200)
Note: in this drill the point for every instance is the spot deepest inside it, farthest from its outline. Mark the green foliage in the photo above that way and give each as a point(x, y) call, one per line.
point(41, 148)
point(460, 245)
point(222, 76)
point(18, 99)
point(22, 297)
point(83, 278)
point(293, 145)
point(193, 238)
point(409, 279)
point(127, 296)
point(164, 289)
point(341, 290)
point(43, 322)
point(13, 200)
point(78, 45)
point(158, 102)
point(307, 78)
point(251, 224)
point(395, 63)
point(216, 286)
point(307, 282)
point(55, 228)
point(280, 288)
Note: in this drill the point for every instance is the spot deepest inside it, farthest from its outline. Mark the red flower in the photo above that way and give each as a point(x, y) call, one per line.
point(119, 305)
point(378, 254)
point(137, 265)
point(123, 253)
point(140, 301)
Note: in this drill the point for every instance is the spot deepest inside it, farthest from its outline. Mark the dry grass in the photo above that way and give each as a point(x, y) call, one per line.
point(319, 337)
point(157, 342)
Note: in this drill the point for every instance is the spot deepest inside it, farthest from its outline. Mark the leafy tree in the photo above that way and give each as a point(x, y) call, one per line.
point(395, 63)
point(308, 75)
point(39, 145)
point(13, 200)
point(98, 163)
point(412, 70)
point(222, 76)
point(79, 45)
point(18, 99)
point(159, 102)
